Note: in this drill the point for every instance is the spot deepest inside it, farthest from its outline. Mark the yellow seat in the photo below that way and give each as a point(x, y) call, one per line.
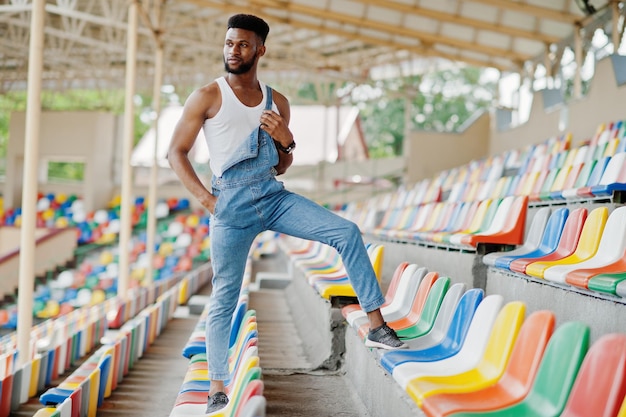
point(489, 369)
point(586, 248)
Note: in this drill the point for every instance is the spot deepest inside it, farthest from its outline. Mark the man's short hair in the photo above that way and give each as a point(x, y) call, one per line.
point(250, 22)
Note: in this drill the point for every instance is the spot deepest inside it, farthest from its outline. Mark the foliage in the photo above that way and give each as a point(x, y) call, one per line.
point(440, 101)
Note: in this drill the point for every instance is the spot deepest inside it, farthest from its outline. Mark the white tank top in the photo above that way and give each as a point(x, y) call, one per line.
point(231, 126)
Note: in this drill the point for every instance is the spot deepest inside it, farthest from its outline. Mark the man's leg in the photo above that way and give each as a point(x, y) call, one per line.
point(297, 216)
point(229, 251)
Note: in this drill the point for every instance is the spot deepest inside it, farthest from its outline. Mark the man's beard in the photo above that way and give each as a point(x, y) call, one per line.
point(243, 68)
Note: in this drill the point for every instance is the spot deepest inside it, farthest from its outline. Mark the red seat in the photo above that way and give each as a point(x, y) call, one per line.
point(567, 245)
point(600, 386)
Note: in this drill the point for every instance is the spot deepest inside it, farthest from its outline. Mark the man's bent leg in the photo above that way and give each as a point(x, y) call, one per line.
point(300, 217)
point(297, 216)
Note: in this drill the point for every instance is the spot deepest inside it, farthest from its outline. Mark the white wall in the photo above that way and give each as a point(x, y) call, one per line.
point(87, 137)
point(604, 103)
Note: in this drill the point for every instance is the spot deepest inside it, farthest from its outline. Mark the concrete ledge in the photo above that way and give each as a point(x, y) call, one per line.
point(378, 391)
point(602, 314)
point(464, 267)
point(320, 326)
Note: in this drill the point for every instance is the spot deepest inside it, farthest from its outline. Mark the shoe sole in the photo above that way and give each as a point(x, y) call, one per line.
point(371, 343)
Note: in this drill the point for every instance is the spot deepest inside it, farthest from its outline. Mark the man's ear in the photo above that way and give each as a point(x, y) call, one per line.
point(261, 51)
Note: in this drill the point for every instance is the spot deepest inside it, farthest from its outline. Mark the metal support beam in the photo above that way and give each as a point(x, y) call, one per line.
point(127, 148)
point(29, 196)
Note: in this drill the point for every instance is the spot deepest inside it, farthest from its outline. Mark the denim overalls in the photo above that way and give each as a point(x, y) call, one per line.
point(250, 201)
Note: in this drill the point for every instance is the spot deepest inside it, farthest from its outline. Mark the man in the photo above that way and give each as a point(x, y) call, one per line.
point(246, 127)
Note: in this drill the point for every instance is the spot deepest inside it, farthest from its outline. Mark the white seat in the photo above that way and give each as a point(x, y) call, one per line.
point(254, 407)
point(402, 301)
point(532, 241)
point(610, 249)
point(442, 321)
point(470, 353)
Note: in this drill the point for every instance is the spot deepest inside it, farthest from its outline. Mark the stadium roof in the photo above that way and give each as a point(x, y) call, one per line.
point(85, 40)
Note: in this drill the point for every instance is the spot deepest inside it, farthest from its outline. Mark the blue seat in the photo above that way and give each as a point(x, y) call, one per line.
point(549, 241)
point(451, 343)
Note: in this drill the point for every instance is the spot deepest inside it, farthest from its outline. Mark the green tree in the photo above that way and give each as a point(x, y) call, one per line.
point(440, 101)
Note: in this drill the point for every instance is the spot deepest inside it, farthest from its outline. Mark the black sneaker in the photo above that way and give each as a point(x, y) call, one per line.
point(384, 337)
point(216, 402)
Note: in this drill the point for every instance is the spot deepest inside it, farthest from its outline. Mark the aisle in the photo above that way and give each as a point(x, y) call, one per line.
point(291, 388)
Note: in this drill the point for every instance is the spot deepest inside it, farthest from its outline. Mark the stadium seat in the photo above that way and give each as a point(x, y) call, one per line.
point(389, 295)
point(607, 282)
point(555, 377)
point(567, 241)
point(429, 311)
point(531, 242)
point(594, 178)
point(491, 364)
point(581, 180)
point(586, 246)
point(613, 178)
point(442, 321)
point(610, 249)
point(468, 356)
point(516, 380)
point(454, 337)
point(401, 304)
point(417, 363)
point(475, 222)
point(416, 304)
point(600, 386)
point(507, 227)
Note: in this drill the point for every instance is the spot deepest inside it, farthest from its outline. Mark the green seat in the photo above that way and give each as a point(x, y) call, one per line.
point(606, 283)
point(429, 312)
point(555, 377)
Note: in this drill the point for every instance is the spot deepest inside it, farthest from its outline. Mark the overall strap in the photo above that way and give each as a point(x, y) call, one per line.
point(268, 103)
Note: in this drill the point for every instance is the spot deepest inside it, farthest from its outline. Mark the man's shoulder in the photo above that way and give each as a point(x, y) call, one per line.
point(208, 91)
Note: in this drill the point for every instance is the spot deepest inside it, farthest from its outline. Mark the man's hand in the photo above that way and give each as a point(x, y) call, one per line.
point(276, 126)
point(209, 203)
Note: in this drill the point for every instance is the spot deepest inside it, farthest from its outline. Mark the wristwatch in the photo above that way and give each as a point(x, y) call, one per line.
point(288, 149)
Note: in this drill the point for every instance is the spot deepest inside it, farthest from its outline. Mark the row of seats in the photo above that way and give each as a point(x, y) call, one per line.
point(546, 173)
point(245, 386)
point(323, 267)
point(457, 224)
point(58, 344)
point(84, 390)
point(577, 248)
point(472, 353)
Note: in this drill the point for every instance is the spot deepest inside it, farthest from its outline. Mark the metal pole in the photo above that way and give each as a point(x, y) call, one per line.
point(615, 32)
point(127, 148)
point(29, 196)
point(152, 192)
point(578, 51)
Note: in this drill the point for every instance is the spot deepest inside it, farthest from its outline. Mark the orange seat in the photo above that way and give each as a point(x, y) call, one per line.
point(515, 382)
point(512, 231)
